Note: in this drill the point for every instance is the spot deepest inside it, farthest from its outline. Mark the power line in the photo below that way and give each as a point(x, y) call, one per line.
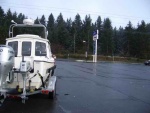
point(80, 13)
point(74, 10)
point(65, 10)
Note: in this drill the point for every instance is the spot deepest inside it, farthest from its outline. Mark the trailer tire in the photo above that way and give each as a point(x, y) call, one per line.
point(52, 72)
point(52, 94)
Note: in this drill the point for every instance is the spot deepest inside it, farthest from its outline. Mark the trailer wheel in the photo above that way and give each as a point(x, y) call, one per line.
point(52, 72)
point(52, 94)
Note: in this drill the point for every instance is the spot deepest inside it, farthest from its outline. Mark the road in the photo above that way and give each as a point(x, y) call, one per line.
point(103, 87)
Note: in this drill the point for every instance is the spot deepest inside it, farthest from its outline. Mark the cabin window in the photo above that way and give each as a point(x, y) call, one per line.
point(40, 49)
point(26, 48)
point(14, 45)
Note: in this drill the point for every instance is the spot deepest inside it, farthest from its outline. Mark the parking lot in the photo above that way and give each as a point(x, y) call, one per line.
point(103, 87)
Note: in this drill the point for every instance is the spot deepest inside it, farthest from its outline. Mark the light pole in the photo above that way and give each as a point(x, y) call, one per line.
point(86, 54)
point(74, 43)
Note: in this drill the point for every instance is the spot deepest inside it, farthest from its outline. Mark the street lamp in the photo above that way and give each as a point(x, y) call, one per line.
point(86, 54)
point(74, 42)
point(84, 41)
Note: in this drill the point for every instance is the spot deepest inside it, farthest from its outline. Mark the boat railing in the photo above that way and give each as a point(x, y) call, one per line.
point(11, 28)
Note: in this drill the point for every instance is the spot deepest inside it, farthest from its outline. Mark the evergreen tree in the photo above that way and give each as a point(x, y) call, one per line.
point(7, 23)
point(77, 31)
point(148, 40)
point(148, 28)
point(129, 39)
point(115, 41)
point(99, 28)
point(9, 17)
point(2, 17)
point(142, 45)
point(87, 31)
point(51, 29)
point(121, 41)
point(107, 45)
point(70, 38)
point(43, 20)
point(20, 18)
point(69, 24)
point(2, 27)
point(36, 21)
point(99, 25)
point(62, 33)
point(14, 16)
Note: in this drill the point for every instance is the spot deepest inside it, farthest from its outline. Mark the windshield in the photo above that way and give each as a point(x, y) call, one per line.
point(14, 45)
point(26, 48)
point(40, 49)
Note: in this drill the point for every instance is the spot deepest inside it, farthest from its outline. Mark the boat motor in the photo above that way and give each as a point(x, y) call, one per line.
point(6, 63)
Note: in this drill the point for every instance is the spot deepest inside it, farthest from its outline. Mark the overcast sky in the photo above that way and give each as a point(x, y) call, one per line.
point(119, 11)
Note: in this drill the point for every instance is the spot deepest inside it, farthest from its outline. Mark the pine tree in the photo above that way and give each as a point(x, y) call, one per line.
point(2, 17)
point(9, 17)
point(115, 41)
point(36, 21)
point(36, 30)
point(69, 24)
point(87, 31)
point(129, 39)
point(2, 27)
point(99, 25)
point(142, 46)
point(20, 18)
point(43, 20)
point(121, 41)
point(14, 16)
point(51, 29)
point(62, 33)
point(70, 38)
point(148, 38)
point(77, 32)
point(99, 28)
point(107, 45)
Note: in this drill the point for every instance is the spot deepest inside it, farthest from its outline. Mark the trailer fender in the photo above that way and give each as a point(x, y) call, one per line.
point(52, 83)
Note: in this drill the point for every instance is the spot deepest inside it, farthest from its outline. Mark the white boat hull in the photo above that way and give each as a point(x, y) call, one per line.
point(36, 82)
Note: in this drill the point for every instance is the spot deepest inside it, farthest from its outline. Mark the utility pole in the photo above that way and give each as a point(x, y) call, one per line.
point(88, 43)
point(74, 43)
point(86, 50)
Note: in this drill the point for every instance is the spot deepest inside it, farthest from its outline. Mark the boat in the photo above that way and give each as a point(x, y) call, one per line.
point(27, 64)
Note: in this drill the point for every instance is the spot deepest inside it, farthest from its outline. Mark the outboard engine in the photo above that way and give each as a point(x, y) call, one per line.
point(6, 63)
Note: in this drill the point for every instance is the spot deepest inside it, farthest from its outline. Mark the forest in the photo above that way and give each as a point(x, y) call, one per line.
point(75, 36)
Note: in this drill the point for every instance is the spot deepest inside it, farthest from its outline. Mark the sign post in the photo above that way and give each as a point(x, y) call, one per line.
point(95, 37)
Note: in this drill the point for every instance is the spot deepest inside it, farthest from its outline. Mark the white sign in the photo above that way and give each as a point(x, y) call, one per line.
point(95, 35)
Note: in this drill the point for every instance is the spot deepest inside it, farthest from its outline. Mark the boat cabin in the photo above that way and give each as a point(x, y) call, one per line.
point(34, 49)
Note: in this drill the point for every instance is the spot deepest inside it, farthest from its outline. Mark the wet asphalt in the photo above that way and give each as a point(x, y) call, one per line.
point(103, 87)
